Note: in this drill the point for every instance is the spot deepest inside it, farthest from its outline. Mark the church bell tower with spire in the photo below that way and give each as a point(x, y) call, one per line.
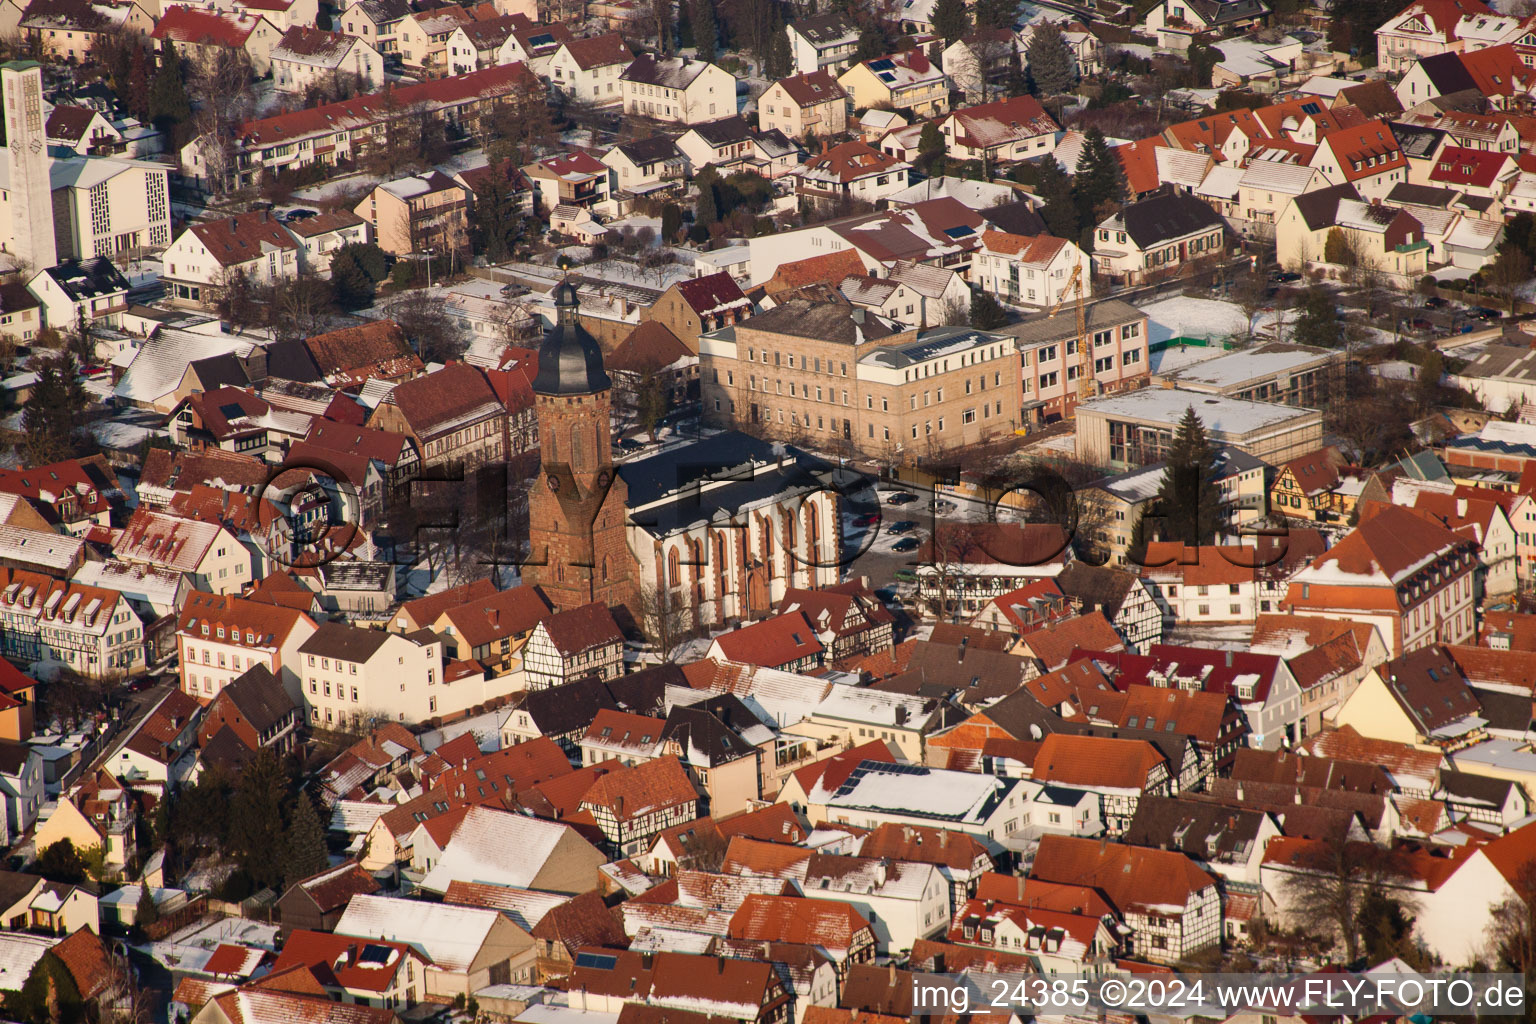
point(576, 509)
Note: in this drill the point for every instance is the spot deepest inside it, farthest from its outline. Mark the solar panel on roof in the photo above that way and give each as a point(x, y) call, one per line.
point(887, 76)
point(600, 961)
point(960, 232)
point(883, 64)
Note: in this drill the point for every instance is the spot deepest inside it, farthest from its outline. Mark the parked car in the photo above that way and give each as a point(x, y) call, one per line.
point(629, 444)
point(905, 544)
point(294, 215)
point(1434, 302)
point(901, 526)
point(887, 595)
point(906, 575)
point(867, 519)
point(1418, 323)
point(1285, 277)
point(900, 498)
point(1483, 313)
point(944, 505)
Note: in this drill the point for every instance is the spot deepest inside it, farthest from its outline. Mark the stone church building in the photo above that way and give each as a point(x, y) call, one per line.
point(723, 526)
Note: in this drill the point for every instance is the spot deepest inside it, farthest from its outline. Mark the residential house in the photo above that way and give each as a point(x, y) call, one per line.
point(495, 846)
point(422, 214)
point(308, 57)
point(1425, 28)
point(98, 814)
point(1177, 23)
point(1410, 578)
point(571, 179)
point(1367, 156)
point(160, 750)
point(745, 991)
point(681, 90)
point(1003, 131)
point(808, 104)
point(699, 305)
point(1051, 363)
point(787, 642)
point(851, 172)
point(978, 61)
point(491, 630)
point(859, 622)
point(220, 638)
point(453, 416)
point(206, 257)
point(21, 785)
point(632, 804)
point(1033, 271)
point(466, 948)
point(590, 69)
point(254, 708)
point(569, 645)
point(1157, 238)
point(200, 35)
point(825, 42)
point(648, 165)
point(1171, 905)
point(1421, 697)
point(901, 81)
point(321, 235)
point(362, 971)
point(376, 22)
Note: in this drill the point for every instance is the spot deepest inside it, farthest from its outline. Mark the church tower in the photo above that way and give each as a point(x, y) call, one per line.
point(26, 156)
point(576, 509)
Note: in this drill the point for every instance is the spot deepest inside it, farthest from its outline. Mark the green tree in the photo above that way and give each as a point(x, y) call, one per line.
point(706, 210)
point(304, 848)
point(256, 819)
point(1337, 250)
point(872, 43)
point(930, 147)
point(169, 107)
point(1428, 382)
point(1051, 63)
point(1386, 927)
point(1189, 499)
point(1054, 188)
point(61, 862)
point(951, 20)
point(53, 423)
point(996, 13)
point(1510, 273)
point(48, 996)
point(1098, 185)
point(780, 60)
point(356, 268)
point(1017, 82)
point(987, 314)
point(671, 222)
point(146, 912)
point(706, 34)
point(1318, 322)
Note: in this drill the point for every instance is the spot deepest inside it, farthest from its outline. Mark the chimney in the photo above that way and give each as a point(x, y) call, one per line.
point(720, 965)
point(857, 316)
point(964, 642)
point(1229, 659)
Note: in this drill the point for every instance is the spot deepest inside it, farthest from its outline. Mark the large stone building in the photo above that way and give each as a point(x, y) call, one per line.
point(715, 531)
point(577, 511)
point(31, 238)
point(834, 374)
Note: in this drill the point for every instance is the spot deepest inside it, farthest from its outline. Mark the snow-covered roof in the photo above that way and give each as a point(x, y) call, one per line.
point(159, 365)
point(19, 953)
point(1230, 417)
point(964, 798)
point(496, 847)
point(451, 937)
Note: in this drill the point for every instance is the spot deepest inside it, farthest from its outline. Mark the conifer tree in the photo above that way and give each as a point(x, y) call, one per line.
point(304, 844)
point(169, 106)
point(1189, 499)
point(256, 819)
point(1055, 190)
point(951, 21)
point(705, 33)
point(1051, 63)
point(1099, 182)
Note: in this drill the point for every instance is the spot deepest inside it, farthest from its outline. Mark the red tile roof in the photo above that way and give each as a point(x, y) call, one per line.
point(190, 25)
point(633, 792)
point(245, 236)
point(812, 88)
point(1095, 761)
point(773, 643)
point(1134, 878)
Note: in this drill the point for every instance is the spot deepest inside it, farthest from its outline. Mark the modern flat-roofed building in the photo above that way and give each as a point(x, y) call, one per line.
point(1294, 375)
point(1133, 429)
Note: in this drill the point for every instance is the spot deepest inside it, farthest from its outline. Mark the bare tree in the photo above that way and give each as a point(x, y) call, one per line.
point(1330, 881)
point(669, 618)
point(1512, 927)
point(220, 90)
point(427, 325)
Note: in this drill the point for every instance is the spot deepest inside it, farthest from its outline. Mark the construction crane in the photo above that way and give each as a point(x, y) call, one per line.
point(1085, 382)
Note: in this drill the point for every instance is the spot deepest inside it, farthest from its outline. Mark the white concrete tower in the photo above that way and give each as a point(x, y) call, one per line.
point(26, 154)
